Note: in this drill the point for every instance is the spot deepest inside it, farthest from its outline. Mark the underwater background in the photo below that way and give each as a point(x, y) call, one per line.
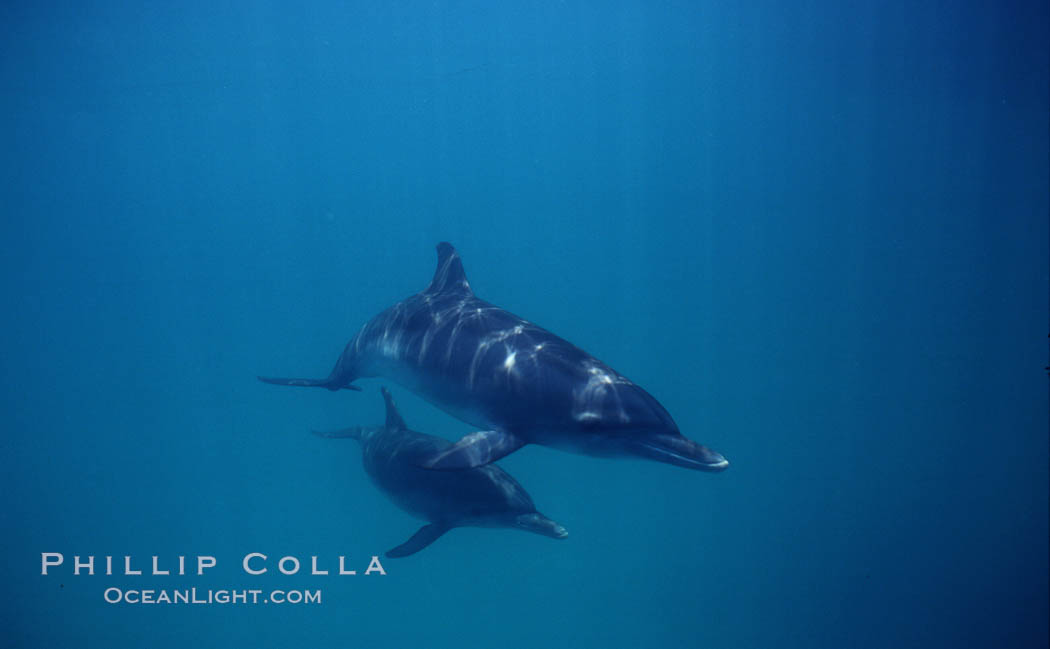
point(817, 232)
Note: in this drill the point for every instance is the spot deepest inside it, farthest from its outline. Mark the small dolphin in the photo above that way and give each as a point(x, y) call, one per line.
point(485, 496)
point(519, 383)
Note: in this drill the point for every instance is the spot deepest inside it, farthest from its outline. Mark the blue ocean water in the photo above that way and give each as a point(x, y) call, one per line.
point(817, 232)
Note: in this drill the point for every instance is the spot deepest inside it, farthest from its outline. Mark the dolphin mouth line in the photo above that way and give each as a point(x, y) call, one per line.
point(719, 466)
point(682, 460)
point(558, 532)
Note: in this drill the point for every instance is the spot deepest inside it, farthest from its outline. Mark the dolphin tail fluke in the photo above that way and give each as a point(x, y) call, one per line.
point(475, 449)
point(423, 537)
point(330, 383)
point(354, 432)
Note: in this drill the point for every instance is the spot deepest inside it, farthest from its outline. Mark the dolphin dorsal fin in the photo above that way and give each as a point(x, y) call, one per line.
point(449, 277)
point(393, 417)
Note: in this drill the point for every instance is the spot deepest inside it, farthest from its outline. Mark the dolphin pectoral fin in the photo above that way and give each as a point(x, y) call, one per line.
point(475, 449)
point(423, 537)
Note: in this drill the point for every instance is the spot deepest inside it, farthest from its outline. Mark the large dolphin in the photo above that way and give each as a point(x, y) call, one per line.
point(520, 384)
point(485, 496)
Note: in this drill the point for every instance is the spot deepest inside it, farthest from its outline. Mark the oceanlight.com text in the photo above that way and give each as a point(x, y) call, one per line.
point(194, 595)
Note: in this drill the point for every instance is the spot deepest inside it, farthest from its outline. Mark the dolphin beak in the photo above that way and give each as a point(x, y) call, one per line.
point(540, 524)
point(717, 462)
point(682, 451)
